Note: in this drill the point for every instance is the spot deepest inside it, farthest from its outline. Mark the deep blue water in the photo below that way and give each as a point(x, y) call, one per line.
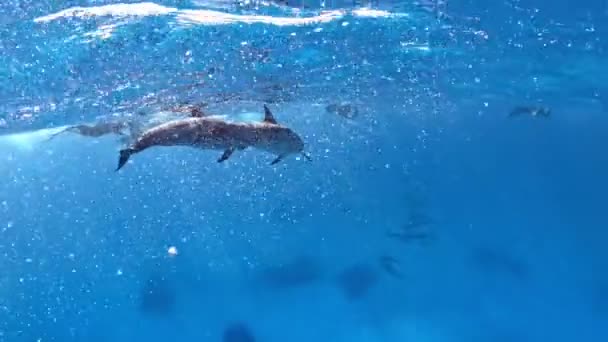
point(430, 215)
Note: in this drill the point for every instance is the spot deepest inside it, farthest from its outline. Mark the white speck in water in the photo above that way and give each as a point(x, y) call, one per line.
point(28, 260)
point(387, 166)
point(318, 29)
point(346, 23)
point(261, 214)
point(172, 251)
point(485, 104)
point(119, 272)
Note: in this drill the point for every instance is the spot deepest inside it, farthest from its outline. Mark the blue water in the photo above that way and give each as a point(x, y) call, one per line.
point(430, 215)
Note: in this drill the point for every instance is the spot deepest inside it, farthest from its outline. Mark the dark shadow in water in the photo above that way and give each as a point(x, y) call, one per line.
point(157, 297)
point(356, 281)
point(237, 332)
point(491, 260)
point(302, 271)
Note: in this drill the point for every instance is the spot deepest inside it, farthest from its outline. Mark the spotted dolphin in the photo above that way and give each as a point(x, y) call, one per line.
point(96, 130)
point(213, 133)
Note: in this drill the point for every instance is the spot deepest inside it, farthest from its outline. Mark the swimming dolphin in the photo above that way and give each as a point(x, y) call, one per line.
point(95, 130)
point(345, 110)
point(218, 134)
point(532, 111)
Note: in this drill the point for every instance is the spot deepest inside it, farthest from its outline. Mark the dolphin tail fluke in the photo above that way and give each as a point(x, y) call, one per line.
point(125, 154)
point(517, 111)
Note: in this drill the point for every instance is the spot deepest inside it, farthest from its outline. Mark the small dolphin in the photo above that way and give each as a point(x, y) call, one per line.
point(345, 110)
point(218, 134)
point(532, 111)
point(96, 130)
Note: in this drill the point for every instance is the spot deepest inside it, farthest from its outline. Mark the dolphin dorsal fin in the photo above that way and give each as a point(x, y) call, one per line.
point(268, 117)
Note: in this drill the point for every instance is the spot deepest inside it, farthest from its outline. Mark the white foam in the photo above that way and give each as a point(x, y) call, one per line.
point(208, 17)
point(204, 16)
point(143, 9)
point(372, 13)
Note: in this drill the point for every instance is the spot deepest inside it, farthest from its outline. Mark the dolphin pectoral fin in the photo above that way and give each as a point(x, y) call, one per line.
point(307, 156)
point(278, 159)
point(227, 153)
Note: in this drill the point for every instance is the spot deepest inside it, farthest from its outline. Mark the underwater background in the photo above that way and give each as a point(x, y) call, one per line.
point(427, 213)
